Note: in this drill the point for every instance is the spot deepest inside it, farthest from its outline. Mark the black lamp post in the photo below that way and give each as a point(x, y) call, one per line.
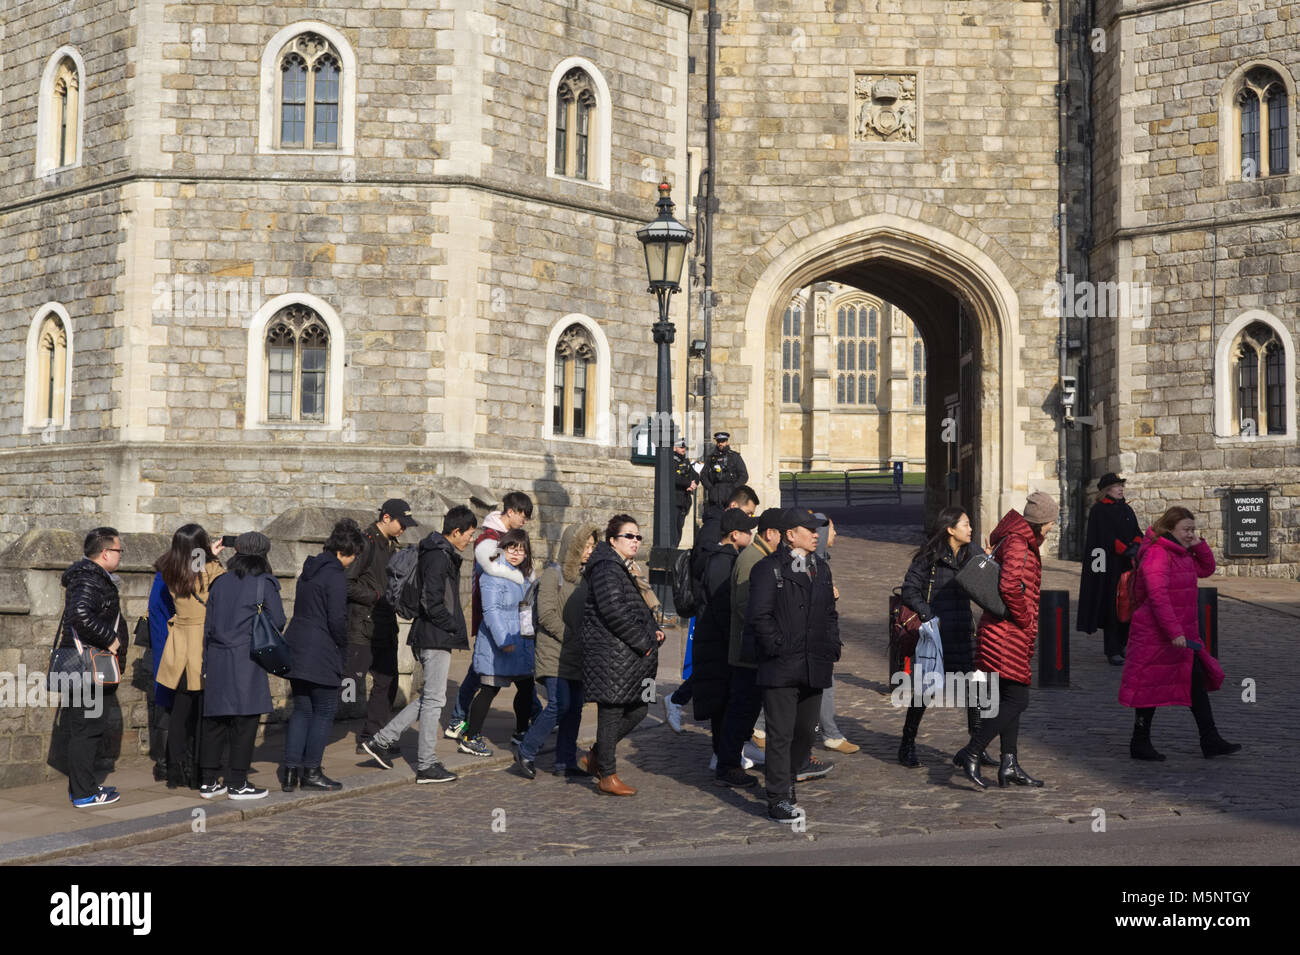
point(664, 240)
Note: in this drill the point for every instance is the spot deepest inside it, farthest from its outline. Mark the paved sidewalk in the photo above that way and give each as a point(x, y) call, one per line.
point(1076, 738)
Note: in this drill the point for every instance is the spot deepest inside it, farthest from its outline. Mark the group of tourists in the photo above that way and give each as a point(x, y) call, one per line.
point(587, 628)
point(1150, 578)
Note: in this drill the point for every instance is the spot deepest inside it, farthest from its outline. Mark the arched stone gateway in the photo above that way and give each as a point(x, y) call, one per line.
point(934, 265)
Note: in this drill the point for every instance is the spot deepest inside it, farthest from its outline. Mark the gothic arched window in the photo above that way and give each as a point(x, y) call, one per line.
point(856, 325)
point(1263, 124)
point(52, 371)
point(575, 369)
point(1259, 357)
point(307, 100)
point(575, 124)
point(297, 359)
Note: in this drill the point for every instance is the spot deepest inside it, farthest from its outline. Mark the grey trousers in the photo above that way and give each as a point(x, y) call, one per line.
point(425, 709)
point(826, 717)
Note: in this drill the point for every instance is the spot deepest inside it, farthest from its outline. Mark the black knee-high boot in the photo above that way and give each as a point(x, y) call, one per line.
point(907, 748)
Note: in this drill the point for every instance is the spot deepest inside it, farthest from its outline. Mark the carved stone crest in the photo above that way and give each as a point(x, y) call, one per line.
point(885, 107)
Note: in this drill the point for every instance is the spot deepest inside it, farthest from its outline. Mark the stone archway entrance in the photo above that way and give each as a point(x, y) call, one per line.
point(934, 275)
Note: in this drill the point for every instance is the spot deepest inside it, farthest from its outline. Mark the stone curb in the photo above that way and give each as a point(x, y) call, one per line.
point(117, 835)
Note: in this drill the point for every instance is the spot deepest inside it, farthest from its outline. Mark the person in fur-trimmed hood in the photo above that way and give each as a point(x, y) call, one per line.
point(516, 509)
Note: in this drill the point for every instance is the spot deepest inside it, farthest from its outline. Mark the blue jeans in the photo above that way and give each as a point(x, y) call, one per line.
point(563, 705)
point(468, 687)
point(314, 707)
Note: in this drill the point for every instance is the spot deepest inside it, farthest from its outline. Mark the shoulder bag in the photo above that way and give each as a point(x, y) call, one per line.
point(269, 650)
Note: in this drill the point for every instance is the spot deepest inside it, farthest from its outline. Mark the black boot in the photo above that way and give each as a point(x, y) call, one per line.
point(973, 721)
point(1009, 771)
point(1216, 745)
point(969, 764)
point(1139, 746)
point(313, 778)
point(291, 779)
point(907, 748)
point(160, 771)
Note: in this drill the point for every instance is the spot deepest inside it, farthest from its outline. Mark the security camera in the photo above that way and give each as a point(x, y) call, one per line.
point(1069, 389)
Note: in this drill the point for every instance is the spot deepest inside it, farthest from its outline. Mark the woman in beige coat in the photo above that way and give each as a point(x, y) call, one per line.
point(187, 569)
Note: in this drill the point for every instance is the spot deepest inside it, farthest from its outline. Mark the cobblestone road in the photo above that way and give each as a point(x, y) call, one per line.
point(1075, 738)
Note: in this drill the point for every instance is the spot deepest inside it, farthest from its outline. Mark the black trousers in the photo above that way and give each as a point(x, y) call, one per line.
point(482, 702)
point(1201, 709)
point(1013, 699)
point(1114, 639)
point(183, 725)
point(792, 713)
point(613, 722)
point(379, 659)
point(220, 734)
point(744, 703)
point(84, 733)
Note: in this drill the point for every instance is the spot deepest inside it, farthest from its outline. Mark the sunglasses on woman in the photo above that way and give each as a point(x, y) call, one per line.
point(631, 537)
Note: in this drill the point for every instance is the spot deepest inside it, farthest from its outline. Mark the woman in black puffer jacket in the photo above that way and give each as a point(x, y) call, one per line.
point(620, 649)
point(930, 588)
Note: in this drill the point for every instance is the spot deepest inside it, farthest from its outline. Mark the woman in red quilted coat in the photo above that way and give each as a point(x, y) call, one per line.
point(1166, 664)
point(1005, 645)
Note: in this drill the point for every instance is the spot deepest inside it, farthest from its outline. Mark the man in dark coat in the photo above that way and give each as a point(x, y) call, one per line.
point(710, 672)
point(685, 480)
point(724, 471)
point(1112, 541)
point(91, 609)
point(794, 629)
point(438, 628)
point(372, 624)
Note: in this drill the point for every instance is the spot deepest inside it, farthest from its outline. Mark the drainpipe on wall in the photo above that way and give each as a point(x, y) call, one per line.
point(707, 296)
point(1066, 528)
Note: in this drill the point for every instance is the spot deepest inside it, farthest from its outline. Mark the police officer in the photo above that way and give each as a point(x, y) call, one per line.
point(684, 483)
point(724, 471)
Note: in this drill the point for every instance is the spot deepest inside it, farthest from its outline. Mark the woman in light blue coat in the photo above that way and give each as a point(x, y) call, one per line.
point(504, 644)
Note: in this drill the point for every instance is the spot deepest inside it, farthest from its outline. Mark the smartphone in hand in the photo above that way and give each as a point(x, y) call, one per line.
point(228, 540)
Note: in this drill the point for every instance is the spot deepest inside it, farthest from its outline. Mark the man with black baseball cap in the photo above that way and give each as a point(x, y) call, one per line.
point(1112, 541)
point(372, 624)
point(794, 629)
point(710, 672)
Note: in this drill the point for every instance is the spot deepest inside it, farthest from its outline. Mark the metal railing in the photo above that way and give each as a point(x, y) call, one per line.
point(822, 486)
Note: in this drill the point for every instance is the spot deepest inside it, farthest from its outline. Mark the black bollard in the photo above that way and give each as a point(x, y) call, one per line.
point(1054, 638)
point(1207, 618)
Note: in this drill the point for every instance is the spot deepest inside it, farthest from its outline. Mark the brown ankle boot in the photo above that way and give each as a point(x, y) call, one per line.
point(587, 763)
point(614, 786)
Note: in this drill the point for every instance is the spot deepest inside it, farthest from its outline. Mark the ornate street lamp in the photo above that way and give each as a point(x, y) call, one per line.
point(664, 240)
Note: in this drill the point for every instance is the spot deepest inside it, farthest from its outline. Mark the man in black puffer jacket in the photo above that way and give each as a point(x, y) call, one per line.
point(91, 613)
point(620, 649)
point(794, 629)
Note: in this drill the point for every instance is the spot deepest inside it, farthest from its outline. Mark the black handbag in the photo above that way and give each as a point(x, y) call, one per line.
point(979, 581)
point(269, 649)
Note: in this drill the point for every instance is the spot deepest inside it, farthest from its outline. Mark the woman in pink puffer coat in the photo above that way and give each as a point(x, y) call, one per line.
point(1165, 663)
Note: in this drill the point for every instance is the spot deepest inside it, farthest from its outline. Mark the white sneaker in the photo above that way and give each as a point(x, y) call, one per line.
point(752, 755)
point(673, 712)
point(745, 762)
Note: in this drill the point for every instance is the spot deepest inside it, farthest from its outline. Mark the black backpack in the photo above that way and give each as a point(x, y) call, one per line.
point(402, 587)
point(687, 598)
